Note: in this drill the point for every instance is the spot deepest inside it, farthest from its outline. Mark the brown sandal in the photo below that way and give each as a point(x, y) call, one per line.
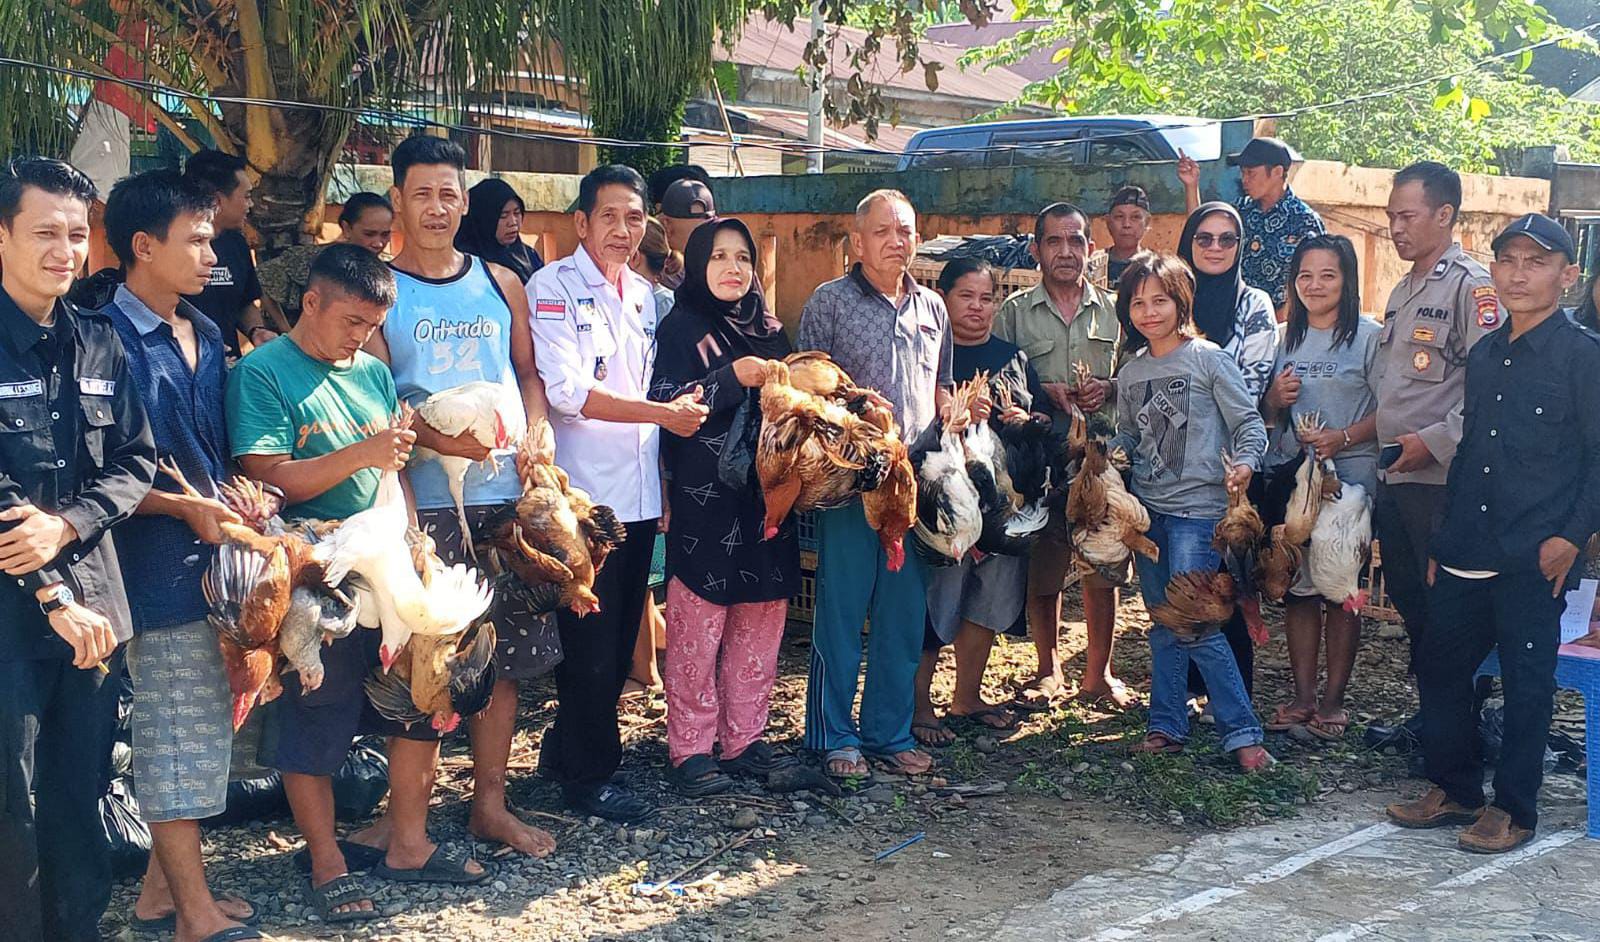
point(1329, 728)
point(1157, 744)
point(1286, 717)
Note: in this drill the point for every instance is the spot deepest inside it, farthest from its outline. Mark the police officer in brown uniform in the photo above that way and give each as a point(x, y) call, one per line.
point(1434, 316)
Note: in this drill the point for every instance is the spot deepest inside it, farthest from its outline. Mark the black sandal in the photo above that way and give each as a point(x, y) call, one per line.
point(700, 777)
point(234, 934)
point(342, 890)
point(760, 760)
point(977, 721)
point(445, 865)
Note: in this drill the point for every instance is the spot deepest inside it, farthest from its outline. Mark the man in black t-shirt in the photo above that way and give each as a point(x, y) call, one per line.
point(233, 298)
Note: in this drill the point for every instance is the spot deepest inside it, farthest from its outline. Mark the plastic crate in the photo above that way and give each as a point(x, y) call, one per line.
point(803, 607)
point(805, 528)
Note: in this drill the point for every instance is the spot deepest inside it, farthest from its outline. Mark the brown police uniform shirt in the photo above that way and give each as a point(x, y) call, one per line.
point(1030, 320)
point(1429, 325)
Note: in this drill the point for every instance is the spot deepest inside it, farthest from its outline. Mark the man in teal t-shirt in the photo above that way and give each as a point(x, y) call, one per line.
point(283, 401)
point(311, 414)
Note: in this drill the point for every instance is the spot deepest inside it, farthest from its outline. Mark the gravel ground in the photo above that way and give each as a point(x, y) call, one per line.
point(1005, 821)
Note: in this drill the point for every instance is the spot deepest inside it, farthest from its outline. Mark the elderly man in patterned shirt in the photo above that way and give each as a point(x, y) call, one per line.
point(1275, 219)
point(891, 335)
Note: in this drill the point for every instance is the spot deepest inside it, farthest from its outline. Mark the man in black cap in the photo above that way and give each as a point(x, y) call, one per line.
point(1128, 222)
point(1523, 496)
point(685, 204)
point(1275, 219)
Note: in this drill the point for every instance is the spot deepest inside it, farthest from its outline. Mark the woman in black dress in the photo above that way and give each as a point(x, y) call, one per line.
point(728, 592)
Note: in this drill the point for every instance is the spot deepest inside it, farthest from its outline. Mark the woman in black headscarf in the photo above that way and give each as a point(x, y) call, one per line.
point(728, 594)
point(1227, 312)
point(492, 229)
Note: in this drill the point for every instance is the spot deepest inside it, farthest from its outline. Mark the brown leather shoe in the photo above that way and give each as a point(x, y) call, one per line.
point(1494, 833)
point(1433, 810)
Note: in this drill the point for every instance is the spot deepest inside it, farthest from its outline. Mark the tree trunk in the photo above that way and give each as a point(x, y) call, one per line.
point(290, 192)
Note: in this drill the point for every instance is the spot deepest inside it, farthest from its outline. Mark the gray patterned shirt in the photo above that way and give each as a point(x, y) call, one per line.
point(902, 352)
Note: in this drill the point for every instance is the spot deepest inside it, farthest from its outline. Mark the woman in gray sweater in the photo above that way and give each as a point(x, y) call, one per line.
point(1181, 403)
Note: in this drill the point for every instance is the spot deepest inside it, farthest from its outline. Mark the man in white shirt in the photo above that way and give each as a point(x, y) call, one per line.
point(594, 323)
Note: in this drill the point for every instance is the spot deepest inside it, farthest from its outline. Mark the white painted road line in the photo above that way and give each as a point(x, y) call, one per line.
point(1494, 868)
point(1134, 928)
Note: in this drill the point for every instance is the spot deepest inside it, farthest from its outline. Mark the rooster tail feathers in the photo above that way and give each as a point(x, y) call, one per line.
point(227, 584)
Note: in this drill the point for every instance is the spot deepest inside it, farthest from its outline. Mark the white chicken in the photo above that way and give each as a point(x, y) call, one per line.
point(374, 545)
point(482, 408)
point(1340, 542)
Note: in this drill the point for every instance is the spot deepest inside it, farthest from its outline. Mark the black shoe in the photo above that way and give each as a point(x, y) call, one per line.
point(760, 760)
point(612, 802)
point(1401, 737)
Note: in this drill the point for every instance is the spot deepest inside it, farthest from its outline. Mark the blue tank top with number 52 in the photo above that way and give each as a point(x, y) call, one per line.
point(442, 333)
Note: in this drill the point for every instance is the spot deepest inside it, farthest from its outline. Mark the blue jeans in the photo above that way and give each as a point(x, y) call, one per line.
point(1185, 545)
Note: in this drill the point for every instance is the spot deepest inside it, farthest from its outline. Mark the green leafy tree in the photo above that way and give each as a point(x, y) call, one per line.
point(1319, 50)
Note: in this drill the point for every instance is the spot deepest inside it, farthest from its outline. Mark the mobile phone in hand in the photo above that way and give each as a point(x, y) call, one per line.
point(1388, 456)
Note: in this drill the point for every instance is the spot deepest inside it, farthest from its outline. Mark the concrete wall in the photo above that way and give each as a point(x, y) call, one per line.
point(803, 222)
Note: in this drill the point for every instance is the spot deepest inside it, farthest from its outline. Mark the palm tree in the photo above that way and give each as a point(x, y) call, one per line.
point(641, 62)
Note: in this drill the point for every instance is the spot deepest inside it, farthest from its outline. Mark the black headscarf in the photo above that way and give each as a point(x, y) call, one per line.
point(747, 316)
point(1216, 297)
point(477, 236)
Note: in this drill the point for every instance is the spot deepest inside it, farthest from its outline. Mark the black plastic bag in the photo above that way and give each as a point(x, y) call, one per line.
point(361, 782)
point(252, 799)
point(737, 460)
point(127, 836)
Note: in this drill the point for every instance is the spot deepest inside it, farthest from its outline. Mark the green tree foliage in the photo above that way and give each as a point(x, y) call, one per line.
point(1321, 50)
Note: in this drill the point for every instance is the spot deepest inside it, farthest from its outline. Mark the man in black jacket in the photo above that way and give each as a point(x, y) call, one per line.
point(76, 457)
point(1522, 497)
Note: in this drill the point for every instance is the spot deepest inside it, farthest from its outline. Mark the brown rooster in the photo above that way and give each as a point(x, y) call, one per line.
point(1240, 528)
point(554, 534)
point(1108, 523)
point(891, 507)
point(249, 588)
point(813, 452)
point(437, 678)
point(1277, 564)
point(1196, 603)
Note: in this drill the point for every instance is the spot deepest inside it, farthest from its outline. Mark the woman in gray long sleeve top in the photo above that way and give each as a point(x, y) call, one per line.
point(1180, 404)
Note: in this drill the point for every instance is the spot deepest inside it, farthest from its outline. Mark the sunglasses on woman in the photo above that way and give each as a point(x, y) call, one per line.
point(1206, 240)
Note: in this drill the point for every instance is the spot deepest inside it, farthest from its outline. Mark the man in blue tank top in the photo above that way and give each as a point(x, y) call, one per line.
point(458, 320)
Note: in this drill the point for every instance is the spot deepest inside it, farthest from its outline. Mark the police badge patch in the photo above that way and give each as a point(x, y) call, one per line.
point(1421, 360)
point(1488, 306)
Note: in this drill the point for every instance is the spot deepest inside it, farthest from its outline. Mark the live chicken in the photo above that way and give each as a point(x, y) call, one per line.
point(1108, 523)
point(478, 408)
point(1197, 602)
point(554, 534)
point(949, 512)
point(1340, 544)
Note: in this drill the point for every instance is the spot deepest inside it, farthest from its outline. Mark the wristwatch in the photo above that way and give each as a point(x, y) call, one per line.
point(60, 600)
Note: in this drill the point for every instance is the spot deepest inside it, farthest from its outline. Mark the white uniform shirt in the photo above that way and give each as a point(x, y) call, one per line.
point(587, 336)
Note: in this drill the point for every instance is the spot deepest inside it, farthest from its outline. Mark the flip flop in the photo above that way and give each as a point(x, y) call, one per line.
point(1106, 700)
point(234, 934)
point(848, 754)
point(169, 922)
point(1157, 744)
point(1050, 692)
point(936, 729)
point(445, 865)
point(1286, 718)
point(358, 858)
point(974, 721)
point(894, 765)
point(1329, 728)
point(342, 890)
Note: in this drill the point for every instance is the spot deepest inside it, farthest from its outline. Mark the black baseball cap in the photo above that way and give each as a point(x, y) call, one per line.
point(688, 199)
point(1264, 152)
point(1546, 232)
point(1130, 196)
